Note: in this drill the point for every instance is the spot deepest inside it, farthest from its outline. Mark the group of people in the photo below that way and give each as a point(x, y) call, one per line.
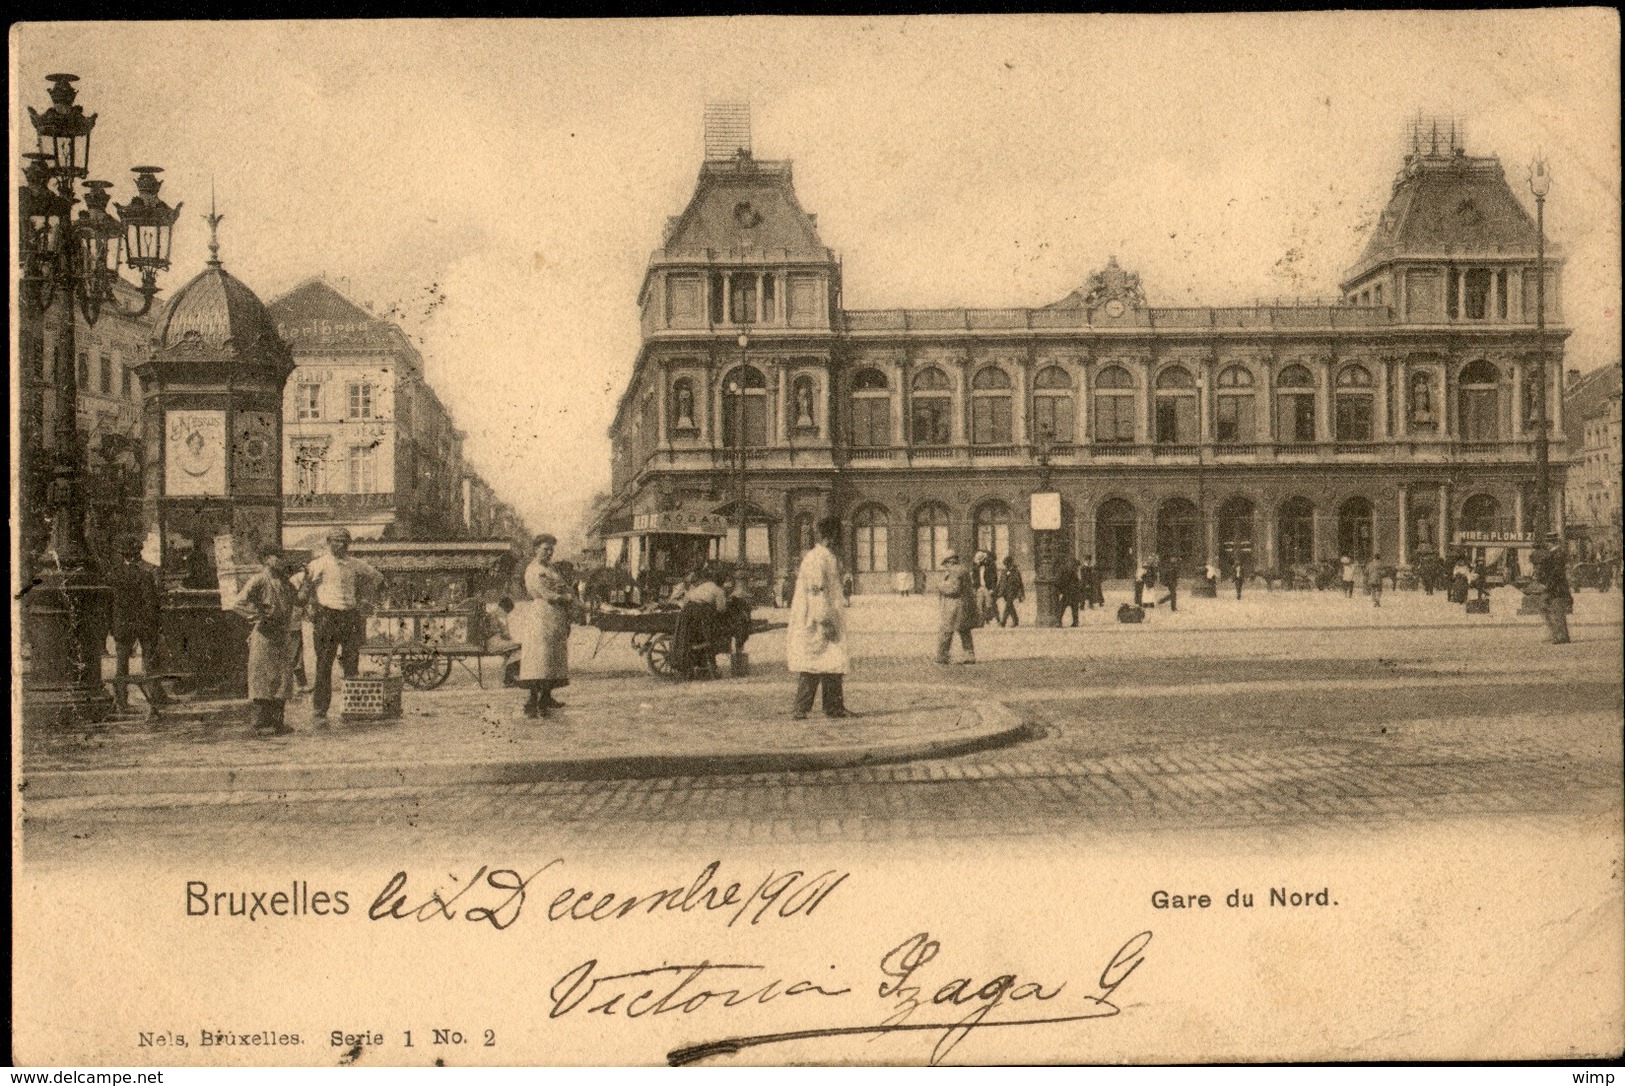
point(1367, 576)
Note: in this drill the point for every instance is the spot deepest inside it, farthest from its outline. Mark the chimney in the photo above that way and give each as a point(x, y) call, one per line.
point(727, 130)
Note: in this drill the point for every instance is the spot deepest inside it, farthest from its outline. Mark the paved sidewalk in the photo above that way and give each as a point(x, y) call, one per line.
point(612, 728)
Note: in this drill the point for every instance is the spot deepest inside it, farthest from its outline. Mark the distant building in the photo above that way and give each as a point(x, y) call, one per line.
point(1394, 420)
point(1592, 410)
point(368, 444)
point(109, 415)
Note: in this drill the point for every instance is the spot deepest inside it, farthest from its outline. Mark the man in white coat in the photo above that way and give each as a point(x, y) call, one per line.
point(815, 643)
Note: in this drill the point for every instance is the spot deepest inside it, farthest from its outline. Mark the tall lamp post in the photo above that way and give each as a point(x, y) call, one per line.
point(737, 387)
point(1046, 511)
point(1540, 183)
point(69, 262)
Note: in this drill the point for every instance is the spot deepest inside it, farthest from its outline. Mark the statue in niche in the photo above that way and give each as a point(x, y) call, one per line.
point(804, 404)
point(685, 406)
point(1421, 398)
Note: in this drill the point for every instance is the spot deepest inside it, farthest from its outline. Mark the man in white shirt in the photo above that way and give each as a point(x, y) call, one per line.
point(336, 583)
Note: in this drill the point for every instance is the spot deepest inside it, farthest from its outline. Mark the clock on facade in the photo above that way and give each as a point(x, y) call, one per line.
point(1114, 308)
point(746, 215)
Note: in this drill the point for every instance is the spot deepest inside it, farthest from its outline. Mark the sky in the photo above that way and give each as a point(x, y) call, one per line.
point(524, 170)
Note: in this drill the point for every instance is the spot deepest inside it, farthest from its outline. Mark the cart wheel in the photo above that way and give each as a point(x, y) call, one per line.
point(426, 672)
point(657, 654)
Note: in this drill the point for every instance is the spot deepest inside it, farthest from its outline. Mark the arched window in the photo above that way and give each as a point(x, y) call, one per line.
point(744, 398)
point(1296, 531)
point(1177, 411)
point(1354, 529)
point(1296, 406)
point(1235, 406)
point(871, 409)
point(993, 529)
point(683, 416)
point(930, 536)
point(1115, 524)
point(1114, 406)
point(1480, 402)
point(869, 544)
point(1052, 406)
point(931, 420)
point(1354, 404)
point(804, 404)
point(990, 407)
point(1481, 514)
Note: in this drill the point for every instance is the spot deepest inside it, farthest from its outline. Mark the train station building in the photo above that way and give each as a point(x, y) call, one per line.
point(1396, 420)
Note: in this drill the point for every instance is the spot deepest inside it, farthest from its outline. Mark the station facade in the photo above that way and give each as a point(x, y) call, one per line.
point(1394, 421)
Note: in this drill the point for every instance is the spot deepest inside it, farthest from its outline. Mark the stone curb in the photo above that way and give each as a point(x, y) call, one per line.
point(999, 727)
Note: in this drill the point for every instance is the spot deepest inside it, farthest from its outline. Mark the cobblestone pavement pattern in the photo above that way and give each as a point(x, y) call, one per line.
point(1183, 723)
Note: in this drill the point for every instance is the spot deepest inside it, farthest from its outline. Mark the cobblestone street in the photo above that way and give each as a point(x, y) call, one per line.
point(1196, 726)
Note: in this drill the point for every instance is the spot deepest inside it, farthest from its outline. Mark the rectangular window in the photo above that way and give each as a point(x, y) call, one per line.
point(1176, 420)
point(107, 375)
point(1354, 418)
point(1377, 293)
point(1501, 294)
point(770, 298)
point(308, 401)
point(1235, 420)
point(360, 401)
point(1452, 294)
point(742, 306)
point(363, 469)
point(1298, 418)
point(990, 420)
point(1114, 419)
point(1052, 415)
point(755, 421)
point(871, 421)
point(84, 371)
point(931, 424)
point(125, 387)
point(717, 297)
point(870, 547)
point(1478, 294)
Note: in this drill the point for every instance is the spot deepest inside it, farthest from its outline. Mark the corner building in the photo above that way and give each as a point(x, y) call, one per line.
point(1395, 420)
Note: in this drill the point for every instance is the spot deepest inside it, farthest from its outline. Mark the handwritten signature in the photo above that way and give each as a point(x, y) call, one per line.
point(906, 1006)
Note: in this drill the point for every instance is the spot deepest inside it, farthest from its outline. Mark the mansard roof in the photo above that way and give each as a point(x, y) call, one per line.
point(742, 204)
point(1449, 203)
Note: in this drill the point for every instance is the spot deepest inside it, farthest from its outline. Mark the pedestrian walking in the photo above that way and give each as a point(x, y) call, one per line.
point(1011, 591)
point(1237, 575)
point(815, 642)
point(270, 603)
point(337, 585)
point(137, 598)
point(1348, 573)
point(1090, 583)
point(1068, 592)
point(544, 664)
point(985, 576)
point(1142, 576)
point(1170, 577)
point(1551, 571)
point(1373, 579)
point(956, 609)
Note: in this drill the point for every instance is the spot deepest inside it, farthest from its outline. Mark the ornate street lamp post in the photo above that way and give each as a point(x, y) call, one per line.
point(67, 263)
point(1540, 183)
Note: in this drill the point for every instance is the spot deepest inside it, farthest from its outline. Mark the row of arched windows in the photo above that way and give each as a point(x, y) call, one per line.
point(1175, 418)
point(1175, 530)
